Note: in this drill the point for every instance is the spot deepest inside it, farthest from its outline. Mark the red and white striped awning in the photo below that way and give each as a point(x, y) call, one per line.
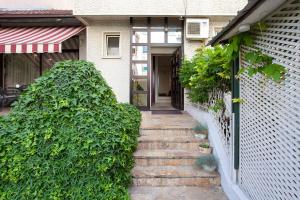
point(35, 39)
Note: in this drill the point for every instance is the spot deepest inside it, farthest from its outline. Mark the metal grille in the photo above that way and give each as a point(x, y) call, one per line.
point(194, 28)
point(222, 119)
point(270, 116)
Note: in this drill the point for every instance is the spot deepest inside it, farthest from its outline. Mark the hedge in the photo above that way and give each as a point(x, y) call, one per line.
point(67, 137)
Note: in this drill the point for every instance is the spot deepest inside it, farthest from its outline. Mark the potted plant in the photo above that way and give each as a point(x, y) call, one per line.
point(201, 131)
point(204, 147)
point(207, 162)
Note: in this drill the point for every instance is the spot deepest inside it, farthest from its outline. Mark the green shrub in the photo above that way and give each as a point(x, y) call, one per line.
point(207, 71)
point(67, 137)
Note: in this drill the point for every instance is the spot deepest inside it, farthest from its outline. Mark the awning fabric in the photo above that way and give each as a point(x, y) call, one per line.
point(35, 39)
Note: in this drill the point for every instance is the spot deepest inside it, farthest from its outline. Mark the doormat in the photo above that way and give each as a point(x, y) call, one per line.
point(166, 112)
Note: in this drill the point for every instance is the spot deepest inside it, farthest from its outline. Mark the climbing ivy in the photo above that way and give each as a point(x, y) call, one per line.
point(67, 137)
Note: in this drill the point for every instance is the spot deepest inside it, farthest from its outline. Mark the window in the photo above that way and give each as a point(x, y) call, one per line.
point(112, 45)
point(157, 37)
point(174, 37)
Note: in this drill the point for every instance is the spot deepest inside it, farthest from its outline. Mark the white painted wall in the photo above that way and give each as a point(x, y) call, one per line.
point(116, 70)
point(36, 4)
point(82, 45)
point(231, 189)
point(158, 7)
point(190, 46)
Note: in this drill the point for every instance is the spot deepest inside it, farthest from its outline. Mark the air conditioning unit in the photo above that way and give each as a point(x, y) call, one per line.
point(197, 29)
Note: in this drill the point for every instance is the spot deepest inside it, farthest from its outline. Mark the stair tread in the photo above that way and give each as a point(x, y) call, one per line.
point(176, 192)
point(172, 172)
point(162, 138)
point(166, 153)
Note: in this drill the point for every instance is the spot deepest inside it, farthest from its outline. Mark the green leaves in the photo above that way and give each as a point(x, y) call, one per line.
point(262, 63)
point(67, 137)
point(208, 70)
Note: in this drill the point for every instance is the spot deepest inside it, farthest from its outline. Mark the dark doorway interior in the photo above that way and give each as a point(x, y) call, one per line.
point(166, 91)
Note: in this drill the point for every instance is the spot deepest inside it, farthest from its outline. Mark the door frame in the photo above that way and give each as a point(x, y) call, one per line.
point(149, 55)
point(152, 72)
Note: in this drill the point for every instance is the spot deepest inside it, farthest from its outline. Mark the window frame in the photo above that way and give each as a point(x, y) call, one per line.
point(107, 35)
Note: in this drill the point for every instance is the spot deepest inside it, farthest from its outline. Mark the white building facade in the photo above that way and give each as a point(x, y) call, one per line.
point(138, 45)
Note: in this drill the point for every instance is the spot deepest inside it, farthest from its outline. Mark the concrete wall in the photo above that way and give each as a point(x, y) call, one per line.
point(82, 45)
point(114, 70)
point(158, 7)
point(36, 5)
point(117, 71)
point(215, 22)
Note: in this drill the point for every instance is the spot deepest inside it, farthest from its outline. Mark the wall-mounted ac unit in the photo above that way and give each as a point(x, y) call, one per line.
point(197, 29)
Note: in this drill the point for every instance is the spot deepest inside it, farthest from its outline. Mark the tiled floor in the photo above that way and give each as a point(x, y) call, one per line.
point(167, 121)
point(162, 106)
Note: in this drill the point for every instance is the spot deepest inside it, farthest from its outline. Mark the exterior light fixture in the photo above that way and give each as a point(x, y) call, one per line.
point(244, 28)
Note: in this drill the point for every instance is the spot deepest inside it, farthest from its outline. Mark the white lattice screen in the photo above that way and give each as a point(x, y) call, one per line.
point(270, 117)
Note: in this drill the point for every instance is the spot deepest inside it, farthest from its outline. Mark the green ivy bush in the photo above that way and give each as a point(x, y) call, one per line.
point(67, 137)
point(207, 71)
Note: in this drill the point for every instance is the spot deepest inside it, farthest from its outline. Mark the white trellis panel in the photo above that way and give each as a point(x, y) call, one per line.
point(270, 116)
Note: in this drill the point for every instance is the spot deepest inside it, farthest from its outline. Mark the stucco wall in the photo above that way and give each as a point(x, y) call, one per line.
point(82, 45)
point(158, 7)
point(36, 5)
point(190, 46)
point(115, 71)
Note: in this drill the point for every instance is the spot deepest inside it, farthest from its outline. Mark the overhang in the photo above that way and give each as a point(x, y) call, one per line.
point(254, 11)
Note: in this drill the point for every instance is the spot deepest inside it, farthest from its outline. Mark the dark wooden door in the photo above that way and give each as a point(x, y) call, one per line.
point(176, 89)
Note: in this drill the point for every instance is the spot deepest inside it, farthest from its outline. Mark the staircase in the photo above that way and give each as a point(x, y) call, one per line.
point(165, 162)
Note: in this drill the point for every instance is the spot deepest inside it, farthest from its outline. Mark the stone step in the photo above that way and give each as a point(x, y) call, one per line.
point(171, 172)
point(170, 132)
point(166, 157)
point(173, 176)
point(176, 193)
point(168, 145)
point(167, 138)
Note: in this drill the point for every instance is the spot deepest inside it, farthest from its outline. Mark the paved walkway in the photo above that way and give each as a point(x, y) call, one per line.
point(165, 162)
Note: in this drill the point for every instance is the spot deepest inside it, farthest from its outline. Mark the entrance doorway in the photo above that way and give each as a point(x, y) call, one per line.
point(161, 83)
point(166, 90)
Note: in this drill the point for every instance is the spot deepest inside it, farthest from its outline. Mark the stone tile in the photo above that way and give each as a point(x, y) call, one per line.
point(167, 121)
point(165, 161)
point(177, 193)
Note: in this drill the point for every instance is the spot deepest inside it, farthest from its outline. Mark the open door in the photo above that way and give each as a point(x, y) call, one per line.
point(176, 89)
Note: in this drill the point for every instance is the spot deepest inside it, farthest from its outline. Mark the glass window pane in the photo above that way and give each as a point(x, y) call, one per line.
point(139, 69)
point(139, 22)
point(112, 43)
point(139, 84)
point(139, 52)
point(139, 37)
point(158, 22)
point(157, 37)
point(174, 37)
point(140, 99)
point(174, 23)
